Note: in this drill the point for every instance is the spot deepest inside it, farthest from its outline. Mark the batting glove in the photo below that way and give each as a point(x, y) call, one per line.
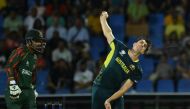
point(15, 91)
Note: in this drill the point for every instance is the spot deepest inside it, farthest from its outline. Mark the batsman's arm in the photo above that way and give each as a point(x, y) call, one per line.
point(105, 27)
point(12, 63)
point(121, 91)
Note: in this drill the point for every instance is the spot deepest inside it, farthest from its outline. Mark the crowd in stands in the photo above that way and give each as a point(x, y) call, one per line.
point(71, 27)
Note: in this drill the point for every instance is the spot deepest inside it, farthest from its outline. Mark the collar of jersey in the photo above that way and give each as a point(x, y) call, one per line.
point(27, 49)
point(131, 59)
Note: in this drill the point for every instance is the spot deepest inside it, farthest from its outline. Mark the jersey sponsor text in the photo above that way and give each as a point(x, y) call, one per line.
point(122, 64)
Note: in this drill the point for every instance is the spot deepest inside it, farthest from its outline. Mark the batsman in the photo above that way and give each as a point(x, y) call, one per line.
point(21, 69)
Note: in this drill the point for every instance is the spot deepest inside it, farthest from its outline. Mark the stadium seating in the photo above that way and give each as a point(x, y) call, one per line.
point(156, 19)
point(156, 30)
point(183, 85)
point(83, 91)
point(156, 22)
point(157, 41)
point(118, 33)
point(165, 86)
point(145, 86)
point(42, 79)
point(63, 90)
point(117, 20)
point(41, 89)
point(156, 36)
point(97, 45)
point(3, 82)
point(172, 62)
point(147, 66)
point(117, 23)
point(131, 40)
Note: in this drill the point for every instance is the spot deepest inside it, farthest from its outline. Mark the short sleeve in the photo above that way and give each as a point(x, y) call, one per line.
point(115, 44)
point(136, 76)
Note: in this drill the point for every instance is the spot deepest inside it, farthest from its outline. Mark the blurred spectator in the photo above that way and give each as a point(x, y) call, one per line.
point(62, 6)
point(172, 45)
point(71, 17)
point(186, 39)
point(172, 37)
point(83, 6)
point(13, 22)
point(93, 23)
point(78, 49)
point(156, 6)
point(83, 77)
point(89, 62)
point(29, 20)
point(52, 43)
point(163, 70)
point(78, 32)
point(20, 5)
point(62, 52)
point(41, 62)
point(137, 11)
point(3, 4)
point(173, 16)
point(55, 19)
point(13, 40)
point(187, 14)
point(167, 6)
point(39, 6)
point(59, 75)
point(56, 26)
point(186, 44)
point(175, 26)
point(183, 66)
point(38, 25)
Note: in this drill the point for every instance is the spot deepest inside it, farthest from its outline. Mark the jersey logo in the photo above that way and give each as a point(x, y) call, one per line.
point(34, 66)
point(26, 72)
point(132, 67)
point(35, 56)
point(122, 52)
point(27, 63)
point(135, 81)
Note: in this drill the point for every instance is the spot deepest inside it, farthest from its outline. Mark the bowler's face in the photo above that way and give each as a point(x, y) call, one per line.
point(140, 46)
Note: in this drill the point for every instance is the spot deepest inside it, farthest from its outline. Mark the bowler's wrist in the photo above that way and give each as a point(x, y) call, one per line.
point(109, 100)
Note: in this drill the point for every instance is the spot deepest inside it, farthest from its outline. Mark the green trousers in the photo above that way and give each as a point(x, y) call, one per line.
point(99, 96)
point(26, 100)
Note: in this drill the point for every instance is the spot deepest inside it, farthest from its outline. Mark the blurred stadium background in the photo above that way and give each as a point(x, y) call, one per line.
point(77, 48)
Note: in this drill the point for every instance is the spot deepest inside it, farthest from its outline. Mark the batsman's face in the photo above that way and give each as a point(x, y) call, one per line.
point(140, 46)
point(39, 45)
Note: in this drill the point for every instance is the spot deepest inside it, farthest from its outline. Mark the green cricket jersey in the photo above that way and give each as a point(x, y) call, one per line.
point(118, 67)
point(21, 65)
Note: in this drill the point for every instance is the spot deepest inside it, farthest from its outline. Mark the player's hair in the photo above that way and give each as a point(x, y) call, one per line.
point(147, 41)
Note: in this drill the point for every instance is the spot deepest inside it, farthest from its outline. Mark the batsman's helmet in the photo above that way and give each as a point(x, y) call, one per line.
point(35, 40)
